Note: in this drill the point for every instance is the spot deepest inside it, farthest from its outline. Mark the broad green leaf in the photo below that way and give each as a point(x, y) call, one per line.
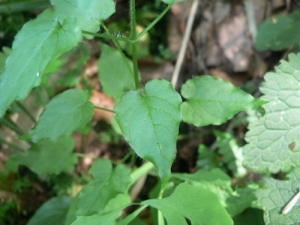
point(149, 120)
point(275, 196)
point(66, 113)
point(115, 72)
point(103, 193)
point(88, 13)
point(273, 140)
point(231, 153)
point(52, 212)
point(212, 101)
point(279, 32)
point(46, 157)
point(197, 204)
point(219, 183)
point(38, 43)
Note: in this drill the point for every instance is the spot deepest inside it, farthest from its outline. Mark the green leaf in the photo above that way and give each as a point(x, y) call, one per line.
point(197, 204)
point(107, 185)
point(51, 212)
point(88, 13)
point(278, 33)
point(276, 196)
point(273, 140)
point(219, 183)
point(66, 113)
point(3, 57)
point(38, 43)
point(46, 157)
point(149, 120)
point(212, 101)
point(114, 66)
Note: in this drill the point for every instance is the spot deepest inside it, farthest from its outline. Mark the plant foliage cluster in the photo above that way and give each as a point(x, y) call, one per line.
point(148, 117)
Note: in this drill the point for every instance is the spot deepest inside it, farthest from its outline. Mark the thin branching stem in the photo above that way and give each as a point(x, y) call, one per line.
point(116, 43)
point(140, 35)
point(133, 36)
point(26, 111)
point(6, 121)
point(105, 109)
point(107, 36)
point(12, 145)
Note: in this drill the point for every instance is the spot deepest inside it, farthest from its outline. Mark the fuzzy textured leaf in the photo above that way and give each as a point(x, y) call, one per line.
point(40, 41)
point(276, 196)
point(273, 140)
point(199, 205)
point(88, 13)
point(46, 157)
point(52, 212)
point(114, 66)
point(66, 113)
point(212, 101)
point(149, 120)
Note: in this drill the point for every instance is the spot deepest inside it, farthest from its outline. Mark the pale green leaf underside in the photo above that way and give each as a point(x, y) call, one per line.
point(115, 72)
point(38, 42)
point(46, 157)
point(276, 196)
point(273, 140)
point(51, 212)
point(150, 121)
point(66, 113)
point(212, 101)
point(197, 204)
point(88, 13)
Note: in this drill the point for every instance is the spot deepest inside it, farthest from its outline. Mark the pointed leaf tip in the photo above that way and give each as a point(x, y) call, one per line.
point(149, 120)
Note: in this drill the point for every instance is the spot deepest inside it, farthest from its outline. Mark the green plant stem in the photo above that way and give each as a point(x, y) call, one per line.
point(116, 43)
point(108, 110)
point(140, 35)
point(161, 220)
point(82, 155)
point(133, 35)
point(26, 111)
point(107, 36)
point(6, 121)
point(12, 145)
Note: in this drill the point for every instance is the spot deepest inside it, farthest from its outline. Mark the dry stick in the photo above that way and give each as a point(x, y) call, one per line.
point(184, 43)
point(249, 7)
